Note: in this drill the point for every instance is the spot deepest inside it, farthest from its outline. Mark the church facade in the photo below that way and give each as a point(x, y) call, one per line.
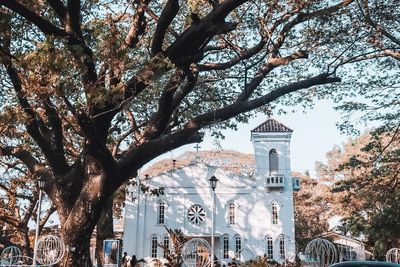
point(254, 212)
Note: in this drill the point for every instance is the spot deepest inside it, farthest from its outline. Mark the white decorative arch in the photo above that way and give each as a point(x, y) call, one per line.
point(320, 252)
point(10, 255)
point(393, 255)
point(196, 253)
point(50, 250)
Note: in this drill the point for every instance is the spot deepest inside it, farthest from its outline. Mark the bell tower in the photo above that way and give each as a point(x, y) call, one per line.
point(271, 142)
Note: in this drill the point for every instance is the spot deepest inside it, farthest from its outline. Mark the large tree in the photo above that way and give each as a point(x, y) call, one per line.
point(93, 90)
point(367, 172)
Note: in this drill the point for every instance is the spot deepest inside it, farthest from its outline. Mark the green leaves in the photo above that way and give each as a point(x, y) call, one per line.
point(371, 196)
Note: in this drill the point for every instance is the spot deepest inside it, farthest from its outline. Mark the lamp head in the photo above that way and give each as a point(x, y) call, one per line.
point(41, 183)
point(213, 182)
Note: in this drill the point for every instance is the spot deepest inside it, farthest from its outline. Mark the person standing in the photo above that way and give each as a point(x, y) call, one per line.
point(124, 260)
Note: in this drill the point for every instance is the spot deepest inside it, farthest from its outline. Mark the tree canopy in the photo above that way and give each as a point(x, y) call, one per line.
point(93, 90)
point(366, 170)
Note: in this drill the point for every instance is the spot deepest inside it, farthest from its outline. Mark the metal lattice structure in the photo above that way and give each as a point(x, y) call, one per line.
point(196, 253)
point(350, 249)
point(393, 255)
point(286, 248)
point(246, 255)
point(320, 252)
point(50, 250)
point(10, 256)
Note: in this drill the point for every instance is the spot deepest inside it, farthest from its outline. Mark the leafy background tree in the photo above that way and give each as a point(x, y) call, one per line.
point(94, 90)
point(313, 209)
point(366, 170)
point(18, 201)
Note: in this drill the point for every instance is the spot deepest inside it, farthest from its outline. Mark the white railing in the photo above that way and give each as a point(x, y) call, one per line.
point(275, 181)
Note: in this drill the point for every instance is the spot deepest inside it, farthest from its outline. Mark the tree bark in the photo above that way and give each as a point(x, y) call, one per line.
point(81, 211)
point(104, 230)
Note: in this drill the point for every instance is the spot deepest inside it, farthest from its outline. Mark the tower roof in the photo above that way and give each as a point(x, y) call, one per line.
point(271, 125)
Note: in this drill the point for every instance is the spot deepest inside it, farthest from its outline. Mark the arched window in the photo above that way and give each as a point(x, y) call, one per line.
point(225, 248)
point(161, 212)
point(154, 247)
point(166, 245)
point(282, 252)
point(275, 213)
point(232, 213)
point(273, 162)
point(238, 246)
point(269, 247)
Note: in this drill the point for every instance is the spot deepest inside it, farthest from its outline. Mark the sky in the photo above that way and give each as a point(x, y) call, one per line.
point(314, 134)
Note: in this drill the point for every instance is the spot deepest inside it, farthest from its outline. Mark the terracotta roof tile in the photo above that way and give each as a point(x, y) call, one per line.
point(271, 125)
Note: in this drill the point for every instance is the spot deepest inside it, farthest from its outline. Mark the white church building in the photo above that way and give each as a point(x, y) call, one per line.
point(254, 214)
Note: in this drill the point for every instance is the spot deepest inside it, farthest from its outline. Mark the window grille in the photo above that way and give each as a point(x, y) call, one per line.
point(270, 247)
point(282, 252)
point(238, 246)
point(275, 216)
point(225, 247)
point(232, 211)
point(166, 245)
point(161, 213)
point(154, 247)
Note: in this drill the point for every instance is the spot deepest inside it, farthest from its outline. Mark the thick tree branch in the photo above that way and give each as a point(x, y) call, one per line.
point(246, 54)
point(160, 119)
point(31, 163)
point(57, 133)
point(188, 47)
point(8, 219)
point(241, 107)
point(272, 63)
point(192, 78)
point(46, 217)
point(144, 152)
point(59, 9)
point(167, 15)
point(138, 26)
point(44, 25)
point(31, 208)
point(74, 17)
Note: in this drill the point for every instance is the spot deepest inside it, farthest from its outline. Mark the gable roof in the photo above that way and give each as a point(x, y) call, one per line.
point(228, 160)
point(271, 125)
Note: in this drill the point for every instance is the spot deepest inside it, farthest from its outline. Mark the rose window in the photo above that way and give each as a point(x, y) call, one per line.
point(196, 214)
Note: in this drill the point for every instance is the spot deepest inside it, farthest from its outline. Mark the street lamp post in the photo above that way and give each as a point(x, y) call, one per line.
point(213, 184)
point(41, 184)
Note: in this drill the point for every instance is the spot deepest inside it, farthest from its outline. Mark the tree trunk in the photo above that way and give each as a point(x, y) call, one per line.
point(81, 210)
point(104, 231)
point(78, 253)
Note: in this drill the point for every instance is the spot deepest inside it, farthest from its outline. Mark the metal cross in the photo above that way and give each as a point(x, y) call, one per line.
point(197, 147)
